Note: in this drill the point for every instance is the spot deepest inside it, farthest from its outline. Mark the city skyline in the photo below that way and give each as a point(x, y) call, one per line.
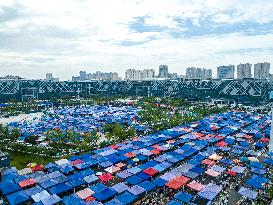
point(65, 37)
point(259, 70)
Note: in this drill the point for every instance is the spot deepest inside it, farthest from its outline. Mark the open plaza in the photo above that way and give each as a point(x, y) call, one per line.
point(219, 159)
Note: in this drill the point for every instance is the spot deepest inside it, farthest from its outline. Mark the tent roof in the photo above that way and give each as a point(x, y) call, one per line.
point(197, 186)
point(177, 182)
point(212, 173)
point(8, 187)
point(248, 193)
point(17, 198)
point(51, 200)
point(106, 193)
point(183, 197)
point(127, 197)
point(27, 183)
point(83, 194)
point(90, 178)
point(105, 177)
point(120, 187)
point(39, 196)
point(136, 190)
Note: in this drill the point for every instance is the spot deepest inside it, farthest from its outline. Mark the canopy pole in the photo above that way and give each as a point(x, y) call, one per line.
point(271, 133)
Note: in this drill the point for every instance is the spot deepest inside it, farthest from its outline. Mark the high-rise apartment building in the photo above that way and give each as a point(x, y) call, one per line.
point(148, 73)
point(173, 76)
point(191, 73)
point(10, 77)
point(49, 77)
point(98, 75)
point(244, 71)
point(83, 75)
point(163, 71)
point(226, 72)
point(207, 74)
point(261, 70)
point(198, 73)
point(133, 74)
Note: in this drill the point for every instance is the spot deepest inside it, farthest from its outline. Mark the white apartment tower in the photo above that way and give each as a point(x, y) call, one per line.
point(261, 70)
point(244, 71)
point(198, 73)
point(148, 73)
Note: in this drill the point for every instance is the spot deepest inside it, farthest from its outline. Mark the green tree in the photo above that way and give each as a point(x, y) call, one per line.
point(15, 134)
point(92, 138)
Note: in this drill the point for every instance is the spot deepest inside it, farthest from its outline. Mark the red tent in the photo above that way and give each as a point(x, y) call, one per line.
point(248, 136)
point(27, 183)
point(170, 141)
point(105, 177)
point(231, 173)
point(156, 147)
point(221, 144)
point(264, 139)
point(219, 137)
point(37, 167)
point(78, 161)
point(177, 182)
point(214, 128)
point(196, 185)
point(150, 171)
point(90, 198)
point(130, 154)
point(114, 146)
point(155, 151)
point(208, 162)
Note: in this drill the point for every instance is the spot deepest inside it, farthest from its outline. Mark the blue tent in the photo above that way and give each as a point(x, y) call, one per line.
point(105, 194)
point(268, 161)
point(260, 145)
point(67, 169)
point(120, 187)
point(77, 182)
point(197, 169)
point(143, 175)
point(60, 188)
point(126, 197)
point(183, 197)
point(8, 188)
point(258, 171)
point(148, 186)
point(260, 179)
point(114, 202)
point(91, 178)
point(98, 187)
point(248, 193)
point(134, 180)
point(159, 182)
point(256, 165)
point(51, 200)
point(72, 199)
point(18, 198)
point(34, 190)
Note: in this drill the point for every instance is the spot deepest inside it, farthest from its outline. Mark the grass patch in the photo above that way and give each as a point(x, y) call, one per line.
point(20, 160)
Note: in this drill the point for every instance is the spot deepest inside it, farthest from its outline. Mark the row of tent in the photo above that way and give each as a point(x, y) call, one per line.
point(176, 159)
point(81, 119)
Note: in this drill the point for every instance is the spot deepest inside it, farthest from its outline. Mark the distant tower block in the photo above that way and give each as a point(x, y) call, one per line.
point(271, 134)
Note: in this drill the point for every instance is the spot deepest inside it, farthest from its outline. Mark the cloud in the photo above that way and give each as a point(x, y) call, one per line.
point(65, 36)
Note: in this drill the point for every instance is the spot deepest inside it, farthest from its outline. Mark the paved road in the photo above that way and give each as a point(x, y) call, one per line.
point(20, 117)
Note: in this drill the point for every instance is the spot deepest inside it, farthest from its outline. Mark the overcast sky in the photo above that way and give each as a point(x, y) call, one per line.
point(66, 36)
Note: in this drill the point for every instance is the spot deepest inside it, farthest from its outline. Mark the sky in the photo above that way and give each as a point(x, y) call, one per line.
point(65, 36)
